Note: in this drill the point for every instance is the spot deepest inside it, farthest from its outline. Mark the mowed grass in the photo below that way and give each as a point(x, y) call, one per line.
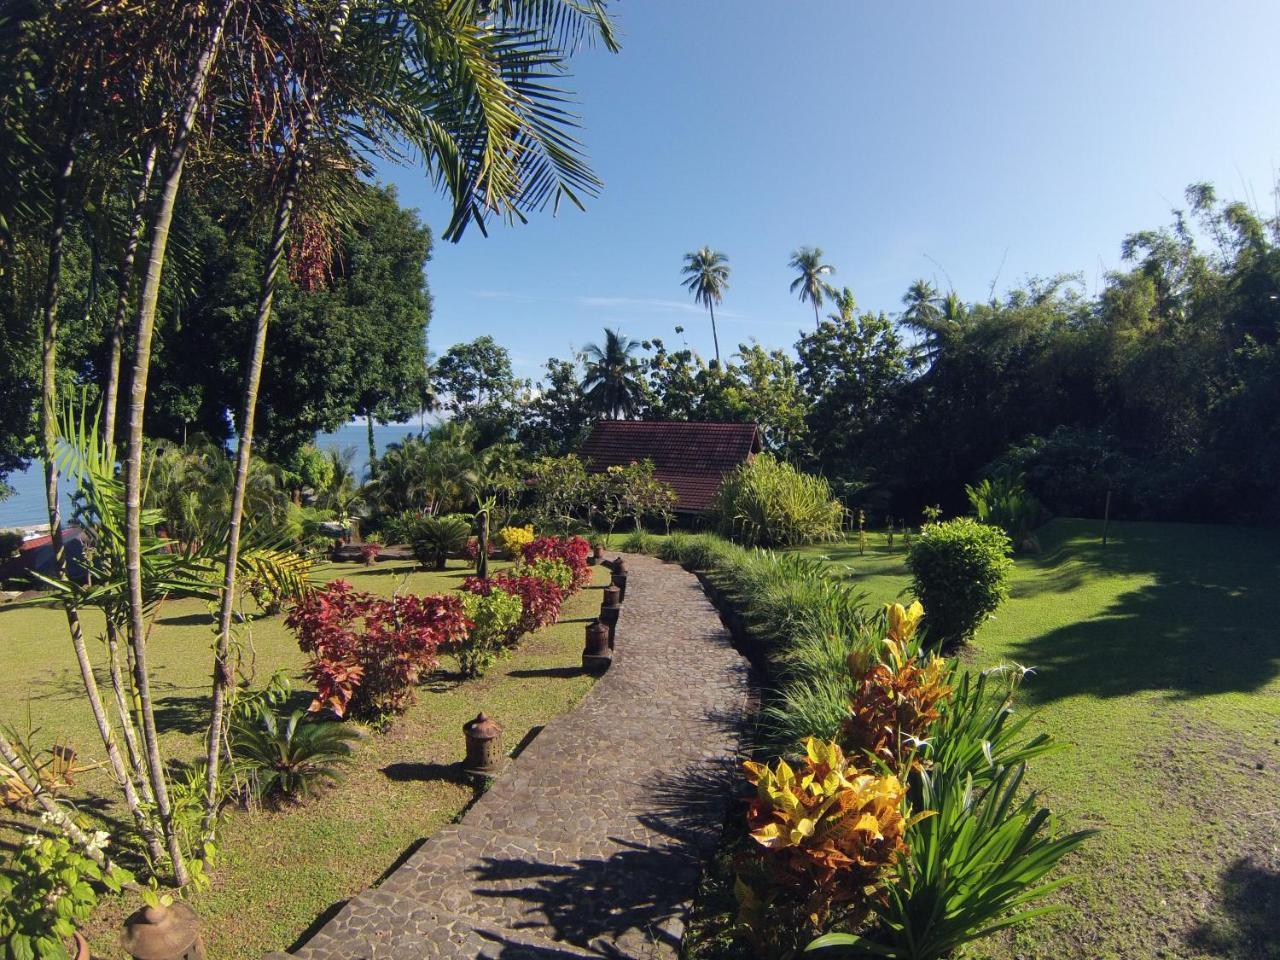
point(1157, 658)
point(282, 872)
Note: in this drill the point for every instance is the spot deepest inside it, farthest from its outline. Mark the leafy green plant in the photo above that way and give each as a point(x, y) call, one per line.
point(978, 865)
point(1002, 501)
point(287, 760)
point(435, 538)
point(960, 572)
point(46, 890)
point(766, 502)
point(492, 616)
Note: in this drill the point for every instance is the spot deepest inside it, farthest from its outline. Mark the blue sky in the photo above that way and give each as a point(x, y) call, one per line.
point(962, 142)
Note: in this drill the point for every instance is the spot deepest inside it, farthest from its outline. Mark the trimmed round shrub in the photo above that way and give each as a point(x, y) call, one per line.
point(960, 572)
point(768, 503)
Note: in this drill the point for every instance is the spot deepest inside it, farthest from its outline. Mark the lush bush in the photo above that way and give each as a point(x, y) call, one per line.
point(46, 891)
point(555, 572)
point(766, 502)
point(436, 538)
point(493, 616)
point(285, 760)
point(367, 652)
point(514, 539)
point(960, 571)
point(10, 543)
point(823, 835)
point(540, 599)
point(571, 551)
point(1002, 501)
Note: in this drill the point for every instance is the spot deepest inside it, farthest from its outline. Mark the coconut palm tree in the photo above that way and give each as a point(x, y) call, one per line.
point(706, 274)
point(811, 283)
point(611, 386)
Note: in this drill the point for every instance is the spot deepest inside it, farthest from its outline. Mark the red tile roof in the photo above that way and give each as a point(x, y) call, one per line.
point(693, 457)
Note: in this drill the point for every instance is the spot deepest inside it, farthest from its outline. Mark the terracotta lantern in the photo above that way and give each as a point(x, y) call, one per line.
point(484, 745)
point(163, 933)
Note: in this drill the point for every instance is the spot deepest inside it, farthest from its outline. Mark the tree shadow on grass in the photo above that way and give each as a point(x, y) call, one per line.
point(1205, 624)
point(1249, 928)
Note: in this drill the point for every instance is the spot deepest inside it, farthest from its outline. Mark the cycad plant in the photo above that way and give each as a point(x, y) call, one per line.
point(285, 760)
point(437, 537)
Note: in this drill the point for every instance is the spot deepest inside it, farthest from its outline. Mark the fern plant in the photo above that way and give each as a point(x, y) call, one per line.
point(287, 760)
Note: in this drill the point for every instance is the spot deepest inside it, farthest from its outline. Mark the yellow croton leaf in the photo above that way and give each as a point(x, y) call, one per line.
point(903, 621)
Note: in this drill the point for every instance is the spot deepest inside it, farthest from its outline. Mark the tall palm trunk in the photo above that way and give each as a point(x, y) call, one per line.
point(110, 390)
point(49, 437)
point(222, 674)
point(714, 336)
point(148, 298)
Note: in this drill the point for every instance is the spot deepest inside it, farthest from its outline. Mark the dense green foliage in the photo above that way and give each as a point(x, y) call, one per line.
point(287, 759)
point(960, 571)
point(766, 502)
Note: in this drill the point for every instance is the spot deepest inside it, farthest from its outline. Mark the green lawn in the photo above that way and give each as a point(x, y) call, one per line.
point(1158, 659)
point(282, 871)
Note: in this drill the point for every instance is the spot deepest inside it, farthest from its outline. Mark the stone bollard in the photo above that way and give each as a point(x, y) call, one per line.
point(595, 655)
point(163, 933)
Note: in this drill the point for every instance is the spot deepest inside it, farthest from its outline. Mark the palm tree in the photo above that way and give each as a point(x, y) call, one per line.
point(610, 386)
point(931, 316)
point(707, 278)
point(810, 283)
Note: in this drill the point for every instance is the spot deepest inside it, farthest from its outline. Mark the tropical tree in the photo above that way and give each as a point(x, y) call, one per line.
point(612, 386)
point(810, 283)
point(706, 273)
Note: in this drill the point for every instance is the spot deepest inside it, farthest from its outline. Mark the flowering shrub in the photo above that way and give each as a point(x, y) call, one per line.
point(46, 890)
point(823, 837)
point(514, 539)
point(493, 616)
point(571, 551)
point(540, 599)
point(368, 651)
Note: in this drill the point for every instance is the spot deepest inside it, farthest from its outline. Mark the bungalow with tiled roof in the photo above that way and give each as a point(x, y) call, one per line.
point(692, 457)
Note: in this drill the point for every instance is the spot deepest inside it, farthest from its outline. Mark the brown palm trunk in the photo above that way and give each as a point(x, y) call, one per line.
point(148, 299)
point(222, 675)
point(49, 437)
point(111, 388)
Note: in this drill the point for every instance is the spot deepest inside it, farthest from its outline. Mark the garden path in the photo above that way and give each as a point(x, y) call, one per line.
point(591, 843)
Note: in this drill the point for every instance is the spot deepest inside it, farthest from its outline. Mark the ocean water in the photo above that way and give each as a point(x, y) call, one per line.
point(26, 508)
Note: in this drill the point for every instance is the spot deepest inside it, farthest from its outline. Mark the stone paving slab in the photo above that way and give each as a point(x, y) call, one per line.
point(592, 841)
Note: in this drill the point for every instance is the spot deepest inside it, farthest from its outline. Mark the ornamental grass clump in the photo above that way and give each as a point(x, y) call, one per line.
point(821, 838)
point(769, 503)
point(960, 572)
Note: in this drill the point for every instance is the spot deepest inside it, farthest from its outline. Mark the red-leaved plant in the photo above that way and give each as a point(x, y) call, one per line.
point(541, 600)
point(367, 651)
point(571, 551)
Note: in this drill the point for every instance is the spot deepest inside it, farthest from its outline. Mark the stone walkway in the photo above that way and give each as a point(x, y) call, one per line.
point(592, 841)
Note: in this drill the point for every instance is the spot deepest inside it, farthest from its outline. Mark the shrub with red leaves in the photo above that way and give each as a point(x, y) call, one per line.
point(367, 651)
point(571, 551)
point(541, 600)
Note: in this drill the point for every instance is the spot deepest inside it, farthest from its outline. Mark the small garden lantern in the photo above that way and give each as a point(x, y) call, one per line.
point(595, 655)
point(484, 745)
point(163, 933)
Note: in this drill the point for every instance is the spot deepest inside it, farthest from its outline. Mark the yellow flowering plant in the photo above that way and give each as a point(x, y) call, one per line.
point(512, 539)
